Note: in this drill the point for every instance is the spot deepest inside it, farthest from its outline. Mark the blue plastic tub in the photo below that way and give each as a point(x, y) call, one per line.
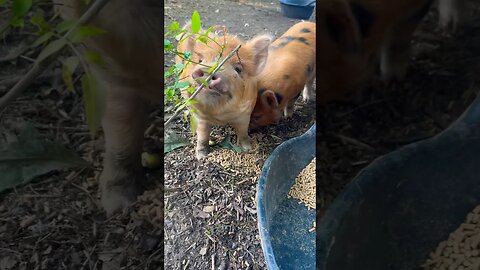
point(283, 222)
point(298, 9)
point(397, 210)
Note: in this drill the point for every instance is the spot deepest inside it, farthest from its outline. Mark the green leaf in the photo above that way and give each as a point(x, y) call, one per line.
point(166, 74)
point(173, 141)
point(181, 106)
point(21, 7)
point(209, 30)
point(227, 143)
point(31, 156)
point(64, 26)
point(191, 102)
point(193, 124)
point(51, 48)
point(167, 45)
point(210, 70)
point(151, 160)
point(181, 85)
point(94, 57)
point(42, 39)
point(179, 68)
point(82, 32)
point(191, 89)
point(68, 68)
point(17, 22)
point(3, 2)
point(94, 100)
point(202, 39)
point(39, 21)
point(196, 23)
point(178, 34)
point(203, 82)
point(174, 26)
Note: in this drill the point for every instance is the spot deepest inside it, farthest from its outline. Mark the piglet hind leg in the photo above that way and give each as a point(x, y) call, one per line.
point(451, 14)
point(308, 89)
point(289, 109)
point(124, 124)
point(396, 53)
point(307, 92)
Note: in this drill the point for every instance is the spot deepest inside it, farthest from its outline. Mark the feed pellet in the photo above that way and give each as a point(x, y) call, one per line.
point(461, 251)
point(304, 188)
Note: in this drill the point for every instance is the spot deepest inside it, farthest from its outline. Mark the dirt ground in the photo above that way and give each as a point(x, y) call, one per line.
point(210, 215)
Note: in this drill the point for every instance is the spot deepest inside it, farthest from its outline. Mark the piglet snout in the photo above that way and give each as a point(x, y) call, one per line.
point(214, 81)
point(197, 74)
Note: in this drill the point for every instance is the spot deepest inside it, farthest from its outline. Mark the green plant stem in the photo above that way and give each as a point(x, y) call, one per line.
point(202, 85)
point(39, 66)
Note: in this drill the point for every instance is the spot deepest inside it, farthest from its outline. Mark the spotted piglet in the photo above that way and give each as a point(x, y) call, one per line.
point(230, 96)
point(289, 69)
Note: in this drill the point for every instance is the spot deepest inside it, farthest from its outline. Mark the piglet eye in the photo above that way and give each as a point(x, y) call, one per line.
point(200, 60)
point(238, 69)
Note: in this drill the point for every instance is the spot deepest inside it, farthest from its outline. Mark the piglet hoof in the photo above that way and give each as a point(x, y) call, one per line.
point(306, 93)
point(118, 194)
point(245, 145)
point(116, 200)
point(201, 153)
point(288, 112)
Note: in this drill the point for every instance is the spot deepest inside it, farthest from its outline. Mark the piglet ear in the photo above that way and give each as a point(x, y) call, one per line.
point(269, 99)
point(259, 48)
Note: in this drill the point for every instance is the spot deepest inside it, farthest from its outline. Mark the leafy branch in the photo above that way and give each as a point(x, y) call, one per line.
point(50, 53)
point(172, 91)
point(199, 88)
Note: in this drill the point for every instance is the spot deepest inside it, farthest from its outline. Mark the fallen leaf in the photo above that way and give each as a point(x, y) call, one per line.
point(173, 141)
point(203, 251)
point(31, 156)
point(227, 143)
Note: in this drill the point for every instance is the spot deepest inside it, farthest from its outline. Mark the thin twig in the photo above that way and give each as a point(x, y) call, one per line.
point(354, 141)
point(39, 66)
point(202, 85)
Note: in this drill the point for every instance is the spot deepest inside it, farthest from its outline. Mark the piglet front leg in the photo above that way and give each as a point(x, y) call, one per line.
point(124, 124)
point(203, 136)
point(241, 127)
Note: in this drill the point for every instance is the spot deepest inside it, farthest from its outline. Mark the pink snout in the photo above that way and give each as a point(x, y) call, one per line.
point(213, 82)
point(197, 74)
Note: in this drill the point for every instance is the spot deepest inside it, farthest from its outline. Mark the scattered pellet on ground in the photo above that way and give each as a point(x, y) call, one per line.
point(247, 165)
point(304, 188)
point(461, 250)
